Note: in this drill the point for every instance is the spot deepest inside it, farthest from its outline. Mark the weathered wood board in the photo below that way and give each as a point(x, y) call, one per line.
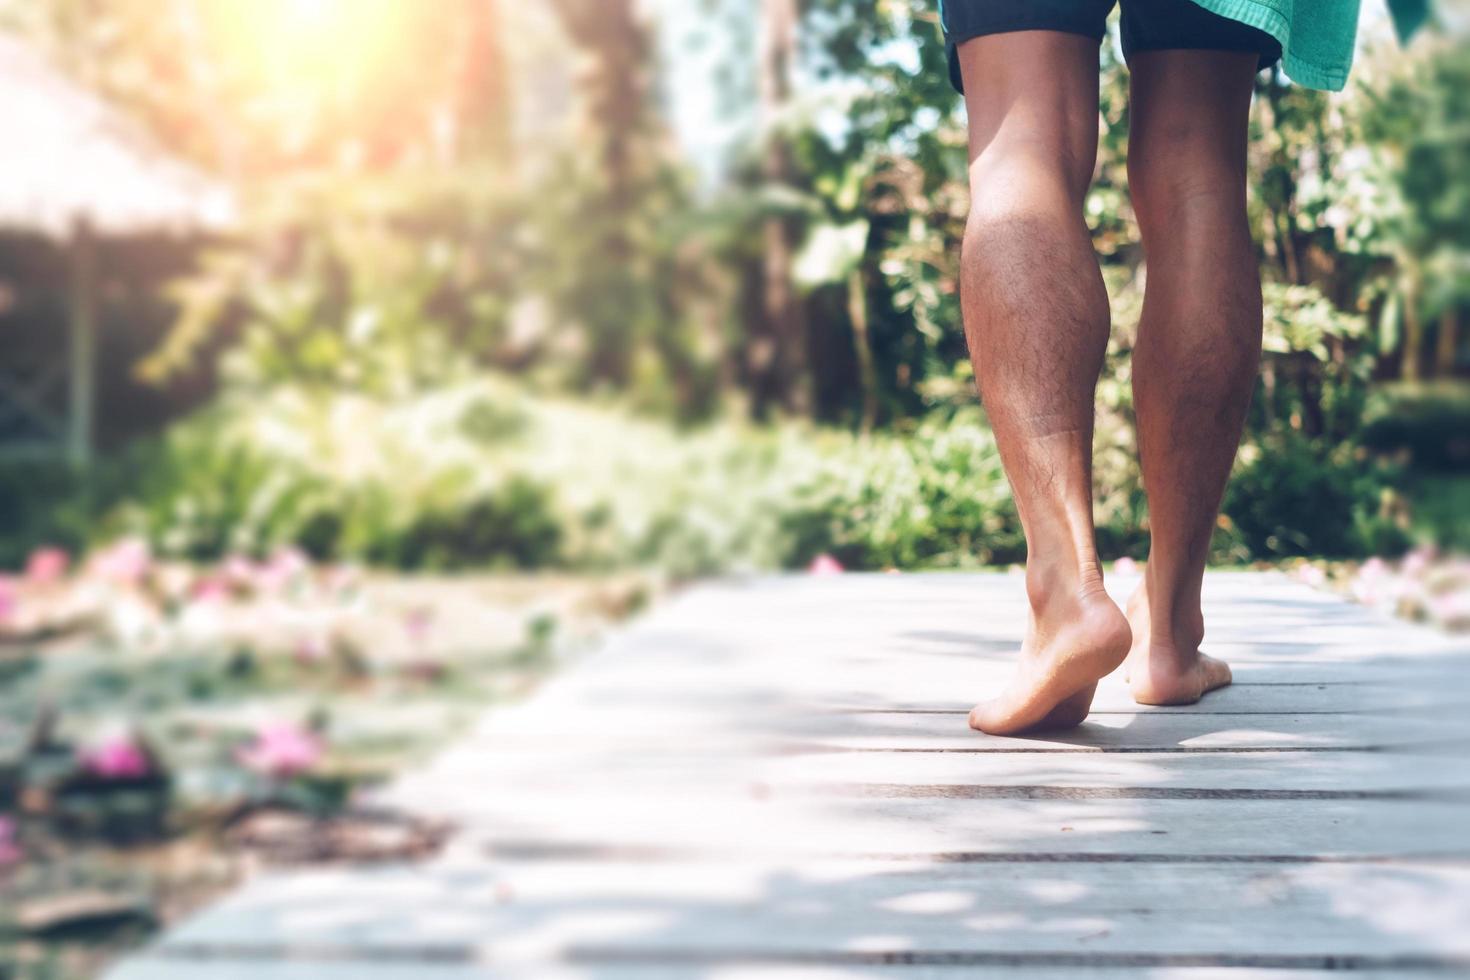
point(775, 778)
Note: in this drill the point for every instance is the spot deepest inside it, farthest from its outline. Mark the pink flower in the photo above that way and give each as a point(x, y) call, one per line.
point(1417, 561)
point(284, 567)
point(1311, 575)
point(125, 562)
point(9, 848)
point(311, 648)
point(1451, 610)
point(115, 757)
point(416, 623)
point(46, 566)
point(1125, 566)
point(825, 564)
point(342, 578)
point(1371, 583)
point(9, 598)
point(281, 750)
point(210, 588)
point(237, 571)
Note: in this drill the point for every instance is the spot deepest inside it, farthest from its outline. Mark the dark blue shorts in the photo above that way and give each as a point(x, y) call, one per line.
point(1147, 25)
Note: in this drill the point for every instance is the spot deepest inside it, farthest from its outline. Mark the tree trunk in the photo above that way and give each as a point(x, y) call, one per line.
point(1268, 390)
point(482, 94)
point(614, 85)
point(1309, 389)
point(857, 310)
point(1447, 345)
point(619, 134)
point(1413, 335)
point(781, 305)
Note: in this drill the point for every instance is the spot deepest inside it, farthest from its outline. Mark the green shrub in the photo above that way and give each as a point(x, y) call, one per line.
point(1294, 496)
point(482, 475)
point(1430, 421)
point(512, 526)
point(341, 477)
point(1441, 504)
point(199, 494)
point(936, 498)
point(42, 502)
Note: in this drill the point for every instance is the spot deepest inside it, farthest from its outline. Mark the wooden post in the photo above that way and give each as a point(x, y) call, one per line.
point(81, 342)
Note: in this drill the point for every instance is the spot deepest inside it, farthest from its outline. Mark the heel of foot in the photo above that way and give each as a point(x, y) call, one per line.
point(1109, 638)
point(1167, 678)
point(1053, 687)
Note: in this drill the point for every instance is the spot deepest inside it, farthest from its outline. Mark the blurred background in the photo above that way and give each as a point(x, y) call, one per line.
point(576, 301)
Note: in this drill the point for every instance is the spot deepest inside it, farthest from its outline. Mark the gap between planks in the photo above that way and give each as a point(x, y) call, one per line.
point(462, 954)
point(529, 850)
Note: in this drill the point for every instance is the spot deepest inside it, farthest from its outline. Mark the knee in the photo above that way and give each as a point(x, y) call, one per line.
point(1186, 185)
point(1027, 176)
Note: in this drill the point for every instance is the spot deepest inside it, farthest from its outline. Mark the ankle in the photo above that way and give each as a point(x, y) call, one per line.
point(1053, 585)
point(1175, 620)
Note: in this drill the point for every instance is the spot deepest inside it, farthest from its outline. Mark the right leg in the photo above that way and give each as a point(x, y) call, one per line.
point(1036, 318)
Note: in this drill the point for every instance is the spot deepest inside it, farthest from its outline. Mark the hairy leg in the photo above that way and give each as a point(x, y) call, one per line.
point(1036, 318)
point(1199, 343)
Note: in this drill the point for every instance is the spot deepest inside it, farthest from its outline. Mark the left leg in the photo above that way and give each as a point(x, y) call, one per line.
point(1036, 318)
point(1199, 342)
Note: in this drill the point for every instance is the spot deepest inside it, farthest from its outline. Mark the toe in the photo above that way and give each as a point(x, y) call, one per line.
point(1001, 716)
point(983, 717)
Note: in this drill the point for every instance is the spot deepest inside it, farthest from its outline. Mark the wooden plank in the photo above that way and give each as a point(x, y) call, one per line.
point(726, 677)
point(215, 968)
point(937, 621)
point(989, 605)
point(796, 827)
point(1171, 731)
point(677, 730)
point(521, 914)
point(1254, 697)
point(584, 778)
point(879, 639)
point(1368, 772)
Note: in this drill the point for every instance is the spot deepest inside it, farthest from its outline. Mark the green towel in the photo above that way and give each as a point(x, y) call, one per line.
point(1317, 36)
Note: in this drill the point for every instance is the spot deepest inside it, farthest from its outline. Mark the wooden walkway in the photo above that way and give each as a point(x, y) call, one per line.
point(775, 778)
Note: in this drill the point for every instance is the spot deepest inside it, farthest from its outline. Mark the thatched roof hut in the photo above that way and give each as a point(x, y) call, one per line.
point(72, 157)
point(76, 172)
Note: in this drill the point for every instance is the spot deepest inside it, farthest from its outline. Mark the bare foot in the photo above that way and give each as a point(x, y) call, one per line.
point(1169, 670)
point(1067, 651)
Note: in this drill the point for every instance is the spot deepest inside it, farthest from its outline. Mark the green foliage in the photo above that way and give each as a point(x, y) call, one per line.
point(252, 476)
point(482, 475)
point(41, 503)
point(387, 286)
point(1316, 365)
point(1441, 501)
point(1431, 422)
point(1292, 496)
point(200, 494)
point(1416, 124)
point(511, 525)
point(937, 498)
point(359, 312)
